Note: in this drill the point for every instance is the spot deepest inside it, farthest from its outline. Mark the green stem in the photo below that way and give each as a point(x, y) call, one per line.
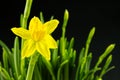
point(24, 25)
point(59, 74)
point(26, 15)
point(31, 66)
point(66, 72)
point(26, 12)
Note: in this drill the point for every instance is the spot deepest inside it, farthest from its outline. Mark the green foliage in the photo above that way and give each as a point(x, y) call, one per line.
point(62, 65)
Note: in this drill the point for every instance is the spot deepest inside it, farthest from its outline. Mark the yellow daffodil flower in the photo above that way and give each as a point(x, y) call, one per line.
point(37, 37)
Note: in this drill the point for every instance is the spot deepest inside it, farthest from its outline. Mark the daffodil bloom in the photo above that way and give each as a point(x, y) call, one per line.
point(37, 37)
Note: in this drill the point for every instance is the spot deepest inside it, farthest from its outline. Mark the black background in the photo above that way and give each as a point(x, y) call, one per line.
point(83, 16)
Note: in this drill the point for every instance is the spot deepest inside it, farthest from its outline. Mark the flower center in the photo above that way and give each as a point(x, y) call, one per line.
point(38, 35)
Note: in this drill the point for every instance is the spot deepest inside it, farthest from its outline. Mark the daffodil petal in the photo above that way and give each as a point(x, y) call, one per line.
point(21, 32)
point(49, 41)
point(51, 25)
point(35, 24)
point(29, 48)
point(43, 50)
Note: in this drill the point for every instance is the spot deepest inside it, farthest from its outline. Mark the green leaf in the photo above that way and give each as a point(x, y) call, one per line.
point(55, 56)
point(104, 70)
point(107, 51)
point(42, 17)
point(60, 68)
point(89, 39)
point(88, 75)
point(52, 17)
point(10, 55)
point(21, 19)
point(5, 60)
point(102, 57)
point(81, 56)
point(72, 58)
point(110, 68)
point(37, 74)
point(88, 63)
point(17, 57)
point(49, 67)
point(4, 73)
point(71, 44)
point(5, 47)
